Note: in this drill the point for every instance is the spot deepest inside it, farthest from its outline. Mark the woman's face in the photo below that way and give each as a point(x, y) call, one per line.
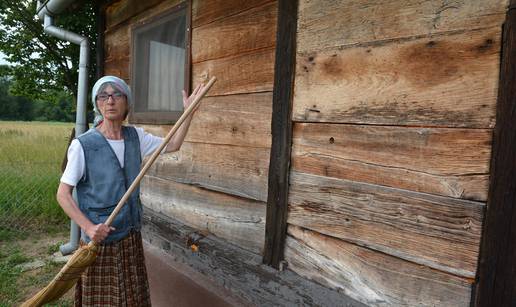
point(112, 104)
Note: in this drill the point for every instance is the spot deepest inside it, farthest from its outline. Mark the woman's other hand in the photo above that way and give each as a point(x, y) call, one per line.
point(187, 101)
point(99, 232)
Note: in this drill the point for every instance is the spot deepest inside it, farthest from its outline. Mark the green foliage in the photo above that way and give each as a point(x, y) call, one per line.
point(44, 65)
point(59, 106)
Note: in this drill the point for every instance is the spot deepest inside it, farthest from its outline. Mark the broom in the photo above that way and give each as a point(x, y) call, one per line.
point(86, 255)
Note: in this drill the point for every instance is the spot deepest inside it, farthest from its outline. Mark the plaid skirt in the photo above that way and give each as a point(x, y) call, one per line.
point(117, 278)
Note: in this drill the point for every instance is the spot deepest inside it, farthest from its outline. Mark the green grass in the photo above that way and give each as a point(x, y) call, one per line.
point(32, 224)
point(17, 247)
point(30, 167)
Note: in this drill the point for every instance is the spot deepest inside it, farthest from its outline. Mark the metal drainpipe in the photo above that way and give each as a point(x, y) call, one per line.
point(82, 90)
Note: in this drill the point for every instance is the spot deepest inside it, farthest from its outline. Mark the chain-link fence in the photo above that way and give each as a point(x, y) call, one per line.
point(31, 157)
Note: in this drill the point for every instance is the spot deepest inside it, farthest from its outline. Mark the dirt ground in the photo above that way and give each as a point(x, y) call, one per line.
point(28, 249)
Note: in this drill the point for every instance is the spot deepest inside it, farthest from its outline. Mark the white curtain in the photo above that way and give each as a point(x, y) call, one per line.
point(166, 77)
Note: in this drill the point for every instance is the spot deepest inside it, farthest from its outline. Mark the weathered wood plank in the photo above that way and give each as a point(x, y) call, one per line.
point(236, 269)
point(118, 67)
point(235, 170)
point(117, 43)
point(208, 11)
point(324, 24)
point(373, 278)
point(124, 10)
point(117, 53)
point(448, 80)
point(447, 161)
point(239, 221)
point(243, 73)
point(240, 120)
point(497, 267)
point(439, 232)
point(250, 30)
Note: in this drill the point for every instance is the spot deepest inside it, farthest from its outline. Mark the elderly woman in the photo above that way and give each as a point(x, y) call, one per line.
point(102, 164)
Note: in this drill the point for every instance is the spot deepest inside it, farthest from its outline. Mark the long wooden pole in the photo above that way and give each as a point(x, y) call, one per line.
point(155, 155)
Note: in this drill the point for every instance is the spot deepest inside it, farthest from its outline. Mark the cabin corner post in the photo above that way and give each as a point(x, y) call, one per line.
point(497, 262)
point(100, 24)
point(281, 127)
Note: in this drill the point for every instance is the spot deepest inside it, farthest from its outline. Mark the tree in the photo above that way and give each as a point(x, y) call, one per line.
point(44, 65)
point(13, 108)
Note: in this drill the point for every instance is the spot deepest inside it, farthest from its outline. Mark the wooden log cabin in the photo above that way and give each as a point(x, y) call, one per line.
point(351, 153)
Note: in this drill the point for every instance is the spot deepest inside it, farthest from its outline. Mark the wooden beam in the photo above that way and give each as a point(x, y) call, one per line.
point(244, 32)
point(100, 24)
point(444, 80)
point(237, 220)
point(334, 23)
point(243, 73)
point(204, 12)
point(439, 232)
point(373, 278)
point(284, 70)
point(237, 270)
point(497, 266)
point(444, 161)
point(236, 170)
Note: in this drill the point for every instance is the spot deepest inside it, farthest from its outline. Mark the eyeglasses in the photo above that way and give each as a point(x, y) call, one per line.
point(117, 96)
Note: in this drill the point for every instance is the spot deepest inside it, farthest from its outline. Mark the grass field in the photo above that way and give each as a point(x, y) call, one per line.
point(32, 225)
point(31, 154)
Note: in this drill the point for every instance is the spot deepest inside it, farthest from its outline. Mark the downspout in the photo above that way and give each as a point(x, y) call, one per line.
point(46, 13)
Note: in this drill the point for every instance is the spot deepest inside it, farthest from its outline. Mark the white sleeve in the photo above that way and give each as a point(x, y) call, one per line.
point(148, 142)
point(75, 167)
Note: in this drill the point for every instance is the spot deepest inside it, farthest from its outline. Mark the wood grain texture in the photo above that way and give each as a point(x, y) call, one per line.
point(118, 67)
point(239, 221)
point(250, 30)
point(237, 269)
point(121, 11)
point(244, 73)
point(126, 12)
point(447, 80)
point(117, 53)
point(235, 170)
point(446, 161)
point(204, 12)
point(240, 120)
point(333, 23)
point(373, 278)
point(439, 232)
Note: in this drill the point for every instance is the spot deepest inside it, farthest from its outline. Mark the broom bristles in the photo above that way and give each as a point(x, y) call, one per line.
point(66, 278)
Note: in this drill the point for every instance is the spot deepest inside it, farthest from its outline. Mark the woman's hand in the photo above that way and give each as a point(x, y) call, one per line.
point(99, 232)
point(178, 138)
point(187, 101)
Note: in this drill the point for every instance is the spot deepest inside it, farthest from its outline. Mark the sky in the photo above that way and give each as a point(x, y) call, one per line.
point(2, 61)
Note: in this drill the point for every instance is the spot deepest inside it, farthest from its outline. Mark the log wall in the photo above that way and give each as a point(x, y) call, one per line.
point(217, 182)
point(393, 113)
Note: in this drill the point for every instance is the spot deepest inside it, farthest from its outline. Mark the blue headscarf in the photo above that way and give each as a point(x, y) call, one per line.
point(120, 86)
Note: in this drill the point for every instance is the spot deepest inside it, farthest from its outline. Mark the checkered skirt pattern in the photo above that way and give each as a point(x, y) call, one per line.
point(117, 278)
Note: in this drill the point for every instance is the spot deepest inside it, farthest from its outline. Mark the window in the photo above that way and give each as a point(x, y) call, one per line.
point(161, 66)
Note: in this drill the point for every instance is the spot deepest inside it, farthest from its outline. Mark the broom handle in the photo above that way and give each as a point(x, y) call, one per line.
point(155, 155)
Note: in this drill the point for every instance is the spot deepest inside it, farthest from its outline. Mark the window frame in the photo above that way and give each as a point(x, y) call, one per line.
point(161, 117)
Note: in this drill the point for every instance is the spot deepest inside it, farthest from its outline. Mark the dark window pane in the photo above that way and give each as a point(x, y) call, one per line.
point(159, 62)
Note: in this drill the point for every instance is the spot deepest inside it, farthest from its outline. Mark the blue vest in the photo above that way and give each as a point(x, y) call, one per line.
point(105, 182)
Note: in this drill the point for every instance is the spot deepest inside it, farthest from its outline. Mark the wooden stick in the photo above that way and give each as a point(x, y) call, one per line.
point(155, 155)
